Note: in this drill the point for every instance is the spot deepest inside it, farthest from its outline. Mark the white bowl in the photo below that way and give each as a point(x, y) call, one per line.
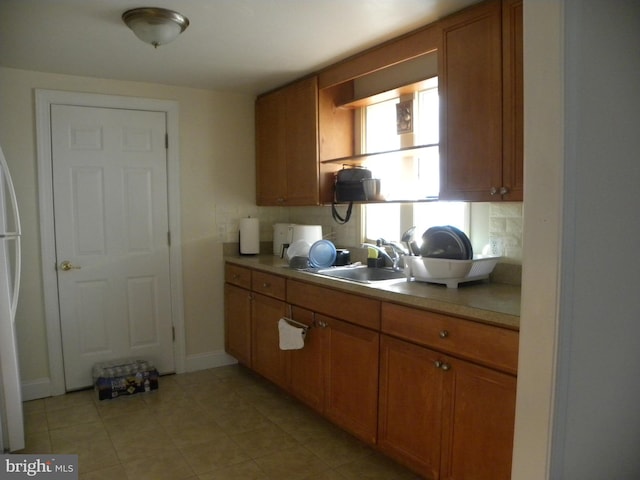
point(299, 248)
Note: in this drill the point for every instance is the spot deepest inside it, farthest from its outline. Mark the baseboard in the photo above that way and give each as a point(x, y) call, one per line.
point(41, 387)
point(203, 361)
point(35, 389)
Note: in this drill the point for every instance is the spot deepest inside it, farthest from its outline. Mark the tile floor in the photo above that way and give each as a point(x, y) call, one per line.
point(224, 423)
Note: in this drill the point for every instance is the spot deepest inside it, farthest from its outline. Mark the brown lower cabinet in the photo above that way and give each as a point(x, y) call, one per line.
point(411, 397)
point(306, 380)
point(266, 357)
point(336, 372)
point(444, 417)
point(237, 314)
point(351, 377)
point(479, 414)
point(435, 392)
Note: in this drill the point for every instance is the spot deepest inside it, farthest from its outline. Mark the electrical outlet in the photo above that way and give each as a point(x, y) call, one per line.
point(496, 246)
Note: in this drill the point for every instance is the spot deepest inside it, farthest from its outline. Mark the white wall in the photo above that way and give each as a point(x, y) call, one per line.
point(217, 170)
point(597, 422)
point(543, 175)
point(578, 385)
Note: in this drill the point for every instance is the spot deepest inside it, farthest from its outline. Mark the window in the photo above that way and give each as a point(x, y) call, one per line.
point(390, 220)
point(415, 174)
point(411, 176)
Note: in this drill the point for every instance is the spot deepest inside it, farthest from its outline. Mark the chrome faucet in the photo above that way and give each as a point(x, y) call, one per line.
point(398, 249)
point(393, 260)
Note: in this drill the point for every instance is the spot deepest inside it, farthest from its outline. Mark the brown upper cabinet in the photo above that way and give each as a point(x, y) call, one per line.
point(305, 131)
point(480, 82)
point(286, 145)
point(295, 126)
point(513, 98)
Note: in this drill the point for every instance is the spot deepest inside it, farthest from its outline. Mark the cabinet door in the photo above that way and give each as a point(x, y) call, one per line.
point(302, 143)
point(351, 377)
point(410, 419)
point(305, 365)
point(513, 178)
point(477, 441)
point(287, 166)
point(271, 168)
point(237, 322)
point(266, 356)
point(470, 83)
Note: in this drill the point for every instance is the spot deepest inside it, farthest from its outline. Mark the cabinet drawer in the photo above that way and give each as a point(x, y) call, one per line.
point(268, 284)
point(493, 346)
point(344, 306)
point(237, 275)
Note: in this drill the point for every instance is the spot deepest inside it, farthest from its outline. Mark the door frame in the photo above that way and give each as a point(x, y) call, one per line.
point(44, 100)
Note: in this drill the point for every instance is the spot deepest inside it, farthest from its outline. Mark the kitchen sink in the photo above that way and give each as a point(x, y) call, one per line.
point(361, 274)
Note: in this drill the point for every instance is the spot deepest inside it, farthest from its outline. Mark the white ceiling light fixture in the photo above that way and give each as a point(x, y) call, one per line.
point(156, 26)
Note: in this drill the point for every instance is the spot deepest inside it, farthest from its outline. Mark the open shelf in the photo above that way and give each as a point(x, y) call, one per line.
point(364, 156)
point(396, 200)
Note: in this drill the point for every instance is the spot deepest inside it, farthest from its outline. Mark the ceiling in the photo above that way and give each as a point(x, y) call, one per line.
point(243, 46)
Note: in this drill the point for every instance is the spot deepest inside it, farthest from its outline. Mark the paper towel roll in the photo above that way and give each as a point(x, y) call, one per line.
point(249, 236)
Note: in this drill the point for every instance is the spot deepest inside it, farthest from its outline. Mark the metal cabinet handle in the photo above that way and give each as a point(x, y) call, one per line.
point(265, 285)
point(442, 365)
point(67, 265)
point(498, 191)
point(444, 333)
point(317, 323)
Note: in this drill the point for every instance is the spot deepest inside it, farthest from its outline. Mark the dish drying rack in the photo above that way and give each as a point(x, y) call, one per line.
point(449, 272)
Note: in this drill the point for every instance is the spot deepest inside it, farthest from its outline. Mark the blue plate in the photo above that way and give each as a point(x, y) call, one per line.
point(322, 254)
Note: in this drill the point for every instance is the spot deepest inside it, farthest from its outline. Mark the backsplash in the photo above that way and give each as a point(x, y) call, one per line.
point(504, 225)
point(505, 230)
point(227, 218)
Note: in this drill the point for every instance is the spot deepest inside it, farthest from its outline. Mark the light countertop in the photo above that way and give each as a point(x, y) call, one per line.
point(486, 302)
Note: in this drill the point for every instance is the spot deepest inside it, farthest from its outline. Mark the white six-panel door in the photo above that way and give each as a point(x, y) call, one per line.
point(111, 231)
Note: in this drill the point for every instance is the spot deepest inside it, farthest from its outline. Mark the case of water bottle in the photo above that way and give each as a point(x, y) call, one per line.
point(124, 377)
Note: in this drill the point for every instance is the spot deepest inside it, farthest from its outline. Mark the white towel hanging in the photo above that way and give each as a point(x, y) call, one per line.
point(291, 338)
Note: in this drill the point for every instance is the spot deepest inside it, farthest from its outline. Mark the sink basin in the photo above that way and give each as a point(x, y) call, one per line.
point(362, 274)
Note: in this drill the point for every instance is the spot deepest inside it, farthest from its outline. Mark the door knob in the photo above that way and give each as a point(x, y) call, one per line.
point(67, 265)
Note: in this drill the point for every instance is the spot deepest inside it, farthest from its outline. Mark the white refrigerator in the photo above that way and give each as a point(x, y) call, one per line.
point(11, 416)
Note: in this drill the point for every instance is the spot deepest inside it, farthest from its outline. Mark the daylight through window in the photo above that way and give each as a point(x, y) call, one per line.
point(411, 176)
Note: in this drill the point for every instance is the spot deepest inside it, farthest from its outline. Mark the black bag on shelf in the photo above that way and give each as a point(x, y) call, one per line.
point(349, 186)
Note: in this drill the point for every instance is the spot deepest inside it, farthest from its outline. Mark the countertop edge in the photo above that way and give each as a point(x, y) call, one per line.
point(494, 304)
